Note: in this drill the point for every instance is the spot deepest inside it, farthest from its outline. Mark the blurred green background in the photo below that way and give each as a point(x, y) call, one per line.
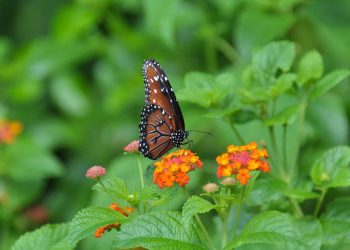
point(70, 72)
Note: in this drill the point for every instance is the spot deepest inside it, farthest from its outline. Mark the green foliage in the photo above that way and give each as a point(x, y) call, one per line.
point(114, 186)
point(260, 79)
point(335, 222)
point(310, 67)
point(195, 205)
point(333, 168)
point(286, 117)
point(48, 237)
point(89, 219)
point(158, 230)
point(206, 90)
point(157, 197)
point(274, 56)
point(329, 81)
point(311, 233)
point(266, 192)
point(269, 228)
point(34, 159)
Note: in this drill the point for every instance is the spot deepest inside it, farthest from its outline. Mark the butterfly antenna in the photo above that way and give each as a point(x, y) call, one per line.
point(198, 131)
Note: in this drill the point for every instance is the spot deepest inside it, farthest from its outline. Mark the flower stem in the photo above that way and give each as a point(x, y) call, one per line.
point(284, 145)
point(224, 230)
point(319, 201)
point(140, 172)
point(105, 189)
point(227, 49)
point(235, 131)
point(303, 106)
point(238, 212)
point(297, 210)
point(200, 223)
point(277, 157)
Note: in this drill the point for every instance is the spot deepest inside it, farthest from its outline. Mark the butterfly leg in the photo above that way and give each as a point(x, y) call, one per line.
point(190, 143)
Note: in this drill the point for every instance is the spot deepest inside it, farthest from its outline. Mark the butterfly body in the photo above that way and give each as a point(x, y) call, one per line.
point(162, 125)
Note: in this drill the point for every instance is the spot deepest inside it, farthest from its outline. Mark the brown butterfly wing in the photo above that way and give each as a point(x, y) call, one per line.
point(155, 132)
point(158, 91)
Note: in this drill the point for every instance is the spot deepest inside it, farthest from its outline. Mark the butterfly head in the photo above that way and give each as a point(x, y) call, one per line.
point(178, 137)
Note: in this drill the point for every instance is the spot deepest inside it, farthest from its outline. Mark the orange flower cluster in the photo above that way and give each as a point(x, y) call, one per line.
point(175, 167)
point(9, 130)
point(241, 160)
point(124, 211)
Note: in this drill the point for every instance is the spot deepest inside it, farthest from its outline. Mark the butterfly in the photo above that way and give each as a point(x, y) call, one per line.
point(162, 125)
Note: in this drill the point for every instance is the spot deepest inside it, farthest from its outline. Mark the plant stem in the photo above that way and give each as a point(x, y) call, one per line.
point(224, 230)
point(205, 232)
point(227, 49)
point(140, 172)
point(277, 157)
point(284, 147)
point(303, 106)
point(235, 131)
point(238, 212)
point(319, 201)
point(105, 189)
point(200, 223)
point(297, 210)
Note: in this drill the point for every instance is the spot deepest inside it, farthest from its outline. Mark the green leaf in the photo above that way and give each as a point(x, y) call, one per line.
point(301, 195)
point(27, 157)
point(198, 89)
point(332, 169)
point(69, 95)
point(48, 237)
point(286, 116)
point(282, 84)
point(310, 67)
point(336, 222)
point(250, 185)
point(311, 233)
point(158, 197)
point(113, 185)
point(195, 205)
point(158, 230)
point(260, 81)
point(238, 115)
point(274, 56)
point(270, 227)
point(91, 218)
point(328, 82)
point(206, 90)
point(301, 190)
point(266, 192)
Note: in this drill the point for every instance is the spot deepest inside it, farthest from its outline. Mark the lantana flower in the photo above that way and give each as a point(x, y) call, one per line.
point(9, 130)
point(124, 211)
point(241, 160)
point(210, 187)
point(95, 172)
point(174, 168)
point(132, 147)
